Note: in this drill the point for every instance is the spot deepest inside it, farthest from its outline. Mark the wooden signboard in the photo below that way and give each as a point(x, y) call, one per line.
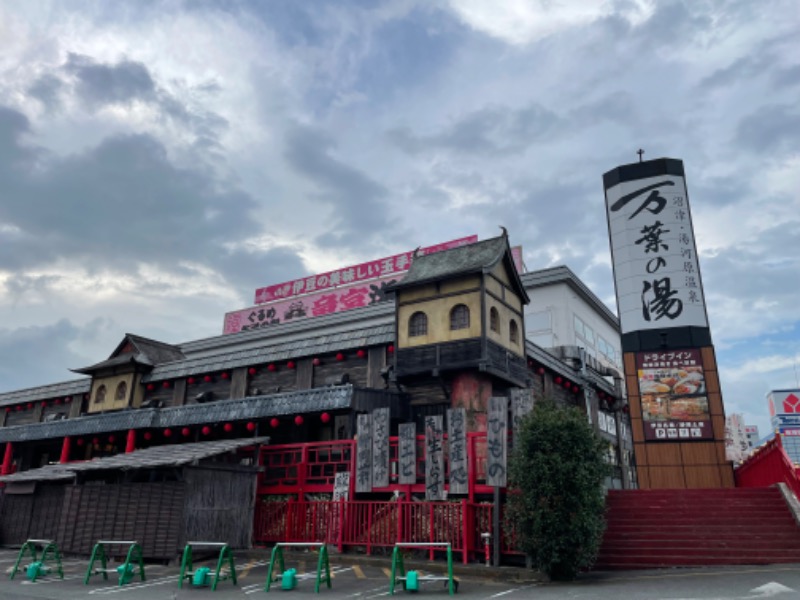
point(497, 442)
point(407, 453)
point(364, 454)
point(341, 486)
point(380, 448)
point(521, 405)
point(457, 447)
point(434, 458)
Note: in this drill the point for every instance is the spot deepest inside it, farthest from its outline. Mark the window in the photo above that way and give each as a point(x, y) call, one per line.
point(100, 394)
point(494, 320)
point(122, 391)
point(418, 324)
point(513, 332)
point(459, 317)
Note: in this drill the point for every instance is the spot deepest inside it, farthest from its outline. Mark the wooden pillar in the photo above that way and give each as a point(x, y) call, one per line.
point(130, 445)
point(65, 446)
point(8, 458)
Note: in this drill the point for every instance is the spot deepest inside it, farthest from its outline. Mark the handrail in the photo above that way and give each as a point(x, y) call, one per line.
point(767, 466)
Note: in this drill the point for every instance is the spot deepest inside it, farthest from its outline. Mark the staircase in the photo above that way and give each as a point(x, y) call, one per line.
point(671, 528)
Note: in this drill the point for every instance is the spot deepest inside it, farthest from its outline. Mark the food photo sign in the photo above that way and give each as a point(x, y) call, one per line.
point(674, 397)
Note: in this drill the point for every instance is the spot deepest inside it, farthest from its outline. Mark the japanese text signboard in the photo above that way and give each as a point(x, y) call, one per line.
point(457, 449)
point(407, 449)
point(364, 454)
point(674, 400)
point(380, 447)
point(434, 458)
point(384, 267)
point(654, 255)
point(497, 442)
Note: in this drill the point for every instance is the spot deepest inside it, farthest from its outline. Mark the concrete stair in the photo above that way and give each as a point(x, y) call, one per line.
point(681, 528)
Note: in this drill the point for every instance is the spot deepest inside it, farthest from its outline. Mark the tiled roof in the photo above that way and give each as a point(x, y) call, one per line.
point(148, 458)
point(44, 392)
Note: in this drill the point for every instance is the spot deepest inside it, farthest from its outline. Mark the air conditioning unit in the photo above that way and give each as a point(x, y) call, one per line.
point(204, 397)
point(54, 417)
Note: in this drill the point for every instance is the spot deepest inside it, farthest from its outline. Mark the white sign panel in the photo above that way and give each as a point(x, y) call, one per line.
point(655, 259)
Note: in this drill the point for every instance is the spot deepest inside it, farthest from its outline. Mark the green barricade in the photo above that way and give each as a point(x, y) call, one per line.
point(39, 566)
point(412, 577)
point(202, 576)
point(288, 577)
point(125, 571)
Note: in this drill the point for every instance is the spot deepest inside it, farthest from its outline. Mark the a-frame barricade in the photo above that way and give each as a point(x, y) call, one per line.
point(323, 563)
point(399, 573)
point(39, 566)
point(133, 565)
point(202, 576)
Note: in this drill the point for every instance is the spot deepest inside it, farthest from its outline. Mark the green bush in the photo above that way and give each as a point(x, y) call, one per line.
point(556, 501)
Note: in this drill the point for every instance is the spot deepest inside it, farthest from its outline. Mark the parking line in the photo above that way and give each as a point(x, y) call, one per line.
point(359, 573)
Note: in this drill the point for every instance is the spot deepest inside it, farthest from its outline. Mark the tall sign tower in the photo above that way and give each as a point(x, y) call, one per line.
point(676, 409)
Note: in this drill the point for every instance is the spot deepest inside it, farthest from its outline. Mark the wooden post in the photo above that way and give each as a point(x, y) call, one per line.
point(130, 444)
point(8, 458)
point(65, 446)
point(496, 528)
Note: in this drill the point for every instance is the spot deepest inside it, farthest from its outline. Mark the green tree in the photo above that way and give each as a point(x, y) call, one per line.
point(556, 501)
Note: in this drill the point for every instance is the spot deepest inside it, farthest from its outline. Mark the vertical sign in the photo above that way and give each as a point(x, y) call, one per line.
point(341, 486)
point(380, 447)
point(497, 442)
point(434, 458)
point(457, 448)
point(364, 454)
point(654, 256)
point(521, 405)
point(407, 453)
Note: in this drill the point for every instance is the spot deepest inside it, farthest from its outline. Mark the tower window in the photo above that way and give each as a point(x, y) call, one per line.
point(459, 317)
point(122, 391)
point(418, 324)
point(494, 320)
point(100, 394)
point(513, 332)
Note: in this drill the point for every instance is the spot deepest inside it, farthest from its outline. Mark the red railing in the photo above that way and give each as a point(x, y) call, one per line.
point(767, 466)
point(369, 524)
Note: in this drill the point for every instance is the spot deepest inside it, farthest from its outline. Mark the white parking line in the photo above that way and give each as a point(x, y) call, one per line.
point(503, 593)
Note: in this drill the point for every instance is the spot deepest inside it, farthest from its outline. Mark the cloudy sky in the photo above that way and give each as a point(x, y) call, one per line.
point(161, 160)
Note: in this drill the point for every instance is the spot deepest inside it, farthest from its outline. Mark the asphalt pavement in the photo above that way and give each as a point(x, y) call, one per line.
point(367, 578)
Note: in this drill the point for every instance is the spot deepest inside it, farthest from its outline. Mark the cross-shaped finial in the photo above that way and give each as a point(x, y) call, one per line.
point(640, 152)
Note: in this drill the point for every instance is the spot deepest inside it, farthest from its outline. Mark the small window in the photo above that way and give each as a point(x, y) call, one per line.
point(513, 332)
point(418, 324)
point(100, 394)
point(459, 317)
point(494, 320)
point(122, 391)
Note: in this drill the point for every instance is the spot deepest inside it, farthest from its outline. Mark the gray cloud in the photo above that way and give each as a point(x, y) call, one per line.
point(47, 89)
point(99, 84)
point(770, 128)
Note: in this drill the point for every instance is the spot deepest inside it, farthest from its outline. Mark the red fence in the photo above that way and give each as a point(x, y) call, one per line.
point(767, 466)
point(370, 525)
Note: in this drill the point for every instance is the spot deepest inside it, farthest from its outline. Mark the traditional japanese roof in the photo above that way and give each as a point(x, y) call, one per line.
point(138, 351)
point(44, 392)
point(256, 407)
point(563, 274)
point(148, 458)
point(480, 257)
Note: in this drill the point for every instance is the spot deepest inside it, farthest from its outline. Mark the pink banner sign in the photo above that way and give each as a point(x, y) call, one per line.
point(383, 267)
point(310, 305)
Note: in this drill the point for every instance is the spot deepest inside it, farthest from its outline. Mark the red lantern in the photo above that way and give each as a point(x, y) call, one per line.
point(206, 430)
point(575, 389)
point(228, 427)
point(251, 426)
point(95, 441)
point(148, 436)
point(316, 362)
point(185, 432)
point(390, 349)
point(252, 371)
point(540, 370)
point(271, 368)
point(80, 442)
point(57, 401)
point(8, 409)
point(208, 379)
point(225, 375)
point(168, 432)
point(339, 356)
point(567, 384)
point(44, 403)
point(361, 354)
point(111, 439)
point(165, 385)
point(190, 380)
point(30, 405)
point(274, 423)
point(18, 407)
point(298, 420)
point(290, 364)
point(325, 417)
point(150, 387)
point(557, 380)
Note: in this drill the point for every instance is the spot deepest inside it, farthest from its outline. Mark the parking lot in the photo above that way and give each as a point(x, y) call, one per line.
point(370, 580)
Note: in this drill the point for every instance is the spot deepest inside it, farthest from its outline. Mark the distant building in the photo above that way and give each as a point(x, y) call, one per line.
point(751, 431)
point(784, 412)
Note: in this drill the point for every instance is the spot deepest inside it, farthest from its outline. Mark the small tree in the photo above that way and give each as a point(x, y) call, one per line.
point(556, 501)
